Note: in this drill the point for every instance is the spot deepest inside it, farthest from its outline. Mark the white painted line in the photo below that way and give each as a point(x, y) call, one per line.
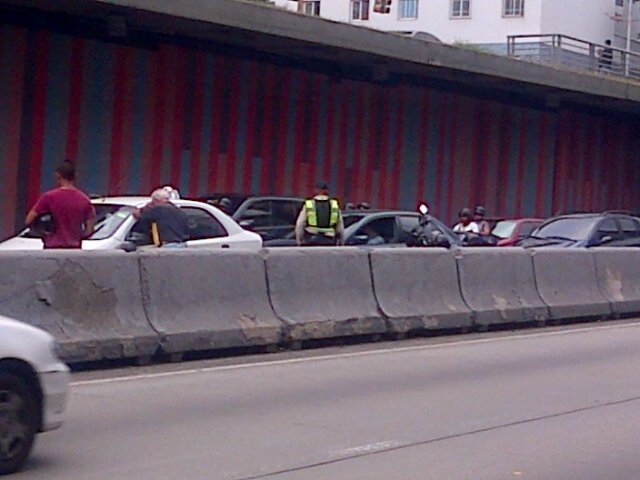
point(317, 358)
point(369, 448)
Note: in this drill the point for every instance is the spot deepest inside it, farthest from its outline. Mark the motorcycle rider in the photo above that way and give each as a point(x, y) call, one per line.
point(478, 216)
point(466, 224)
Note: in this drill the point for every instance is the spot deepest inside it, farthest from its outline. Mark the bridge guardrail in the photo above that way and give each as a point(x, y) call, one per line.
point(575, 54)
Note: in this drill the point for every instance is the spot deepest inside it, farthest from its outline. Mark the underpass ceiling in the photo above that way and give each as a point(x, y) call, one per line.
point(338, 49)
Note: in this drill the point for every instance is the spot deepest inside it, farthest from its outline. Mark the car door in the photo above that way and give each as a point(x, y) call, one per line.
point(205, 231)
point(256, 216)
point(525, 229)
point(284, 214)
point(374, 231)
point(630, 228)
point(607, 231)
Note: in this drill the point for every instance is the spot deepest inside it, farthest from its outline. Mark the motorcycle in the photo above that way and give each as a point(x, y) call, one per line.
point(470, 239)
point(427, 234)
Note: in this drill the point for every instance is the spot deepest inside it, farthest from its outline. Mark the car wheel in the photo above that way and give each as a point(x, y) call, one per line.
point(18, 422)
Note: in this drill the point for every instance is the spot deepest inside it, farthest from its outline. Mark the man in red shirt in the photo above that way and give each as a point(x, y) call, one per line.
point(71, 211)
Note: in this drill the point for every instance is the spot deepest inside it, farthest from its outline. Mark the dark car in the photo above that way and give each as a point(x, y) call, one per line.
point(509, 232)
point(586, 230)
point(269, 216)
point(378, 228)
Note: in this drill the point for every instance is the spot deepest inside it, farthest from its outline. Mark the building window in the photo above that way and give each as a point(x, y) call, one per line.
point(460, 8)
point(513, 8)
point(408, 9)
point(311, 7)
point(359, 9)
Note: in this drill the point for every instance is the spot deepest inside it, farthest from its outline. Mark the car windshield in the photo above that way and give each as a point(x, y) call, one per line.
point(108, 220)
point(504, 229)
point(351, 218)
point(567, 228)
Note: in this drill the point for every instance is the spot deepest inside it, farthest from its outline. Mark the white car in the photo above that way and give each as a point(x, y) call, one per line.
point(115, 228)
point(34, 385)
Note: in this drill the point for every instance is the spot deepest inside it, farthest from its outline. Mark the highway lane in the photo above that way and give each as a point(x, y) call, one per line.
point(547, 404)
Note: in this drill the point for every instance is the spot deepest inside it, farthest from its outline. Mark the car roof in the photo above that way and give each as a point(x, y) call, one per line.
point(133, 201)
point(521, 220)
point(593, 215)
point(243, 197)
point(378, 212)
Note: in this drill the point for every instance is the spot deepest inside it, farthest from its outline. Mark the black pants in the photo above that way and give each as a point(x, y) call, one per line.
point(319, 241)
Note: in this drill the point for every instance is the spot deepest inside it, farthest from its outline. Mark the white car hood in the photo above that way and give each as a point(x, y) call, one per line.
point(23, 243)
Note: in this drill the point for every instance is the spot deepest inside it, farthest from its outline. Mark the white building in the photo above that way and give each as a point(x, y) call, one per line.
point(487, 22)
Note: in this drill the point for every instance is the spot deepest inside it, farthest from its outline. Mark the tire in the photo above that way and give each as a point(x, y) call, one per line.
point(18, 422)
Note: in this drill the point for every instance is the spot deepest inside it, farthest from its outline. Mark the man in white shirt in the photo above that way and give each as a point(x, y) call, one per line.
point(466, 224)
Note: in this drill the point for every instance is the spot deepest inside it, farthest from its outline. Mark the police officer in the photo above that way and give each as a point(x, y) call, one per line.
point(320, 221)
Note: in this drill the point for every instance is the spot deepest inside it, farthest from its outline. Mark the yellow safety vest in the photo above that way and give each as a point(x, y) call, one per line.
point(312, 216)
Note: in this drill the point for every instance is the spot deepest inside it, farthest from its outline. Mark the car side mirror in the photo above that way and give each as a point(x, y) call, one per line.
point(128, 246)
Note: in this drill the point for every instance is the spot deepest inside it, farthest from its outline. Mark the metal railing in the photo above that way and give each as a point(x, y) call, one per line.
point(575, 54)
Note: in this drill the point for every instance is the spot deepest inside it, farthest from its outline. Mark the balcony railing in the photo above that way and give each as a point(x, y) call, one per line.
point(575, 54)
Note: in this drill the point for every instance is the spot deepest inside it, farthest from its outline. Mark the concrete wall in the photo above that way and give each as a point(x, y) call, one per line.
point(134, 118)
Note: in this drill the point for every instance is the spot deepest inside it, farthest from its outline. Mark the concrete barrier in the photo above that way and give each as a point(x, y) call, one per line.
point(323, 292)
point(205, 300)
point(618, 274)
point(566, 281)
point(112, 305)
point(499, 286)
point(91, 303)
point(417, 289)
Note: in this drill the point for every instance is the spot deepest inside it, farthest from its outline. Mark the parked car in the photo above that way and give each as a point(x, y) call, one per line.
point(116, 228)
point(587, 230)
point(362, 226)
point(510, 232)
point(269, 216)
point(34, 385)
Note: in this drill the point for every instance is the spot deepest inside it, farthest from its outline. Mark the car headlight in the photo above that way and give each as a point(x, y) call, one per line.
point(55, 349)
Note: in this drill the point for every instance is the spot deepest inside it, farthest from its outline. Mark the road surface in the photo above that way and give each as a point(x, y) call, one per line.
point(543, 404)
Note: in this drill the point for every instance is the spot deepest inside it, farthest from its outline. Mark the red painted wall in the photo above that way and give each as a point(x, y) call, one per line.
point(135, 118)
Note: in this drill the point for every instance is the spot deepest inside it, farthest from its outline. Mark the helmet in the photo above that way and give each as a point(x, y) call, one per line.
point(465, 212)
point(480, 211)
